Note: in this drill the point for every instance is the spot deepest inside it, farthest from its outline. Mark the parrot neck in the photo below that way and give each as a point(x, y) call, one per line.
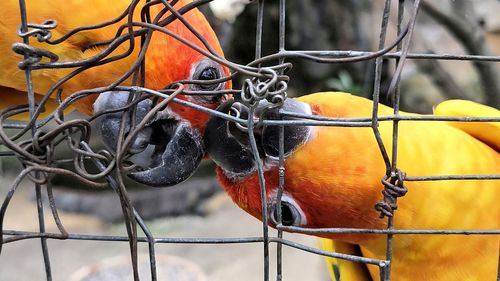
point(245, 191)
point(335, 211)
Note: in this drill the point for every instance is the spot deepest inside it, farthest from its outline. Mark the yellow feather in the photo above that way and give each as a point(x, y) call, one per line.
point(488, 132)
point(343, 270)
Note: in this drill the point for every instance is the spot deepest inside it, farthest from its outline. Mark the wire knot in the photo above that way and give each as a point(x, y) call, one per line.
point(40, 31)
point(32, 55)
point(271, 89)
point(393, 188)
point(39, 146)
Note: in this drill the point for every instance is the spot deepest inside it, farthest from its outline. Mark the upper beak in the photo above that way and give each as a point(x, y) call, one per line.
point(228, 145)
point(226, 151)
point(178, 148)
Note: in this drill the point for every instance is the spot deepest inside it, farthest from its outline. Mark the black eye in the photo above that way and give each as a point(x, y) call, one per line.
point(208, 73)
point(287, 216)
point(290, 214)
point(206, 70)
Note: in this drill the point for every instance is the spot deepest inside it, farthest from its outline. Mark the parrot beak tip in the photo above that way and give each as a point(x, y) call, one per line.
point(179, 160)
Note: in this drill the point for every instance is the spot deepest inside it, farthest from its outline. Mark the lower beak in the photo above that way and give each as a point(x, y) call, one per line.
point(177, 162)
point(178, 148)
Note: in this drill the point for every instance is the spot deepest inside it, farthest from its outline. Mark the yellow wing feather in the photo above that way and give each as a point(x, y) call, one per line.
point(343, 270)
point(487, 132)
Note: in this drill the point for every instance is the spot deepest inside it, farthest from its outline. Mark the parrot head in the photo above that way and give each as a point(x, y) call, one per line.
point(307, 201)
point(229, 147)
point(176, 131)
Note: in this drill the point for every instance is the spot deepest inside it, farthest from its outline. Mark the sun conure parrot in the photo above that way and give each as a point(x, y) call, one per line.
point(333, 180)
point(167, 61)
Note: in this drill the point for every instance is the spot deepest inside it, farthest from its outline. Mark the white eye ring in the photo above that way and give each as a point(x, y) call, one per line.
point(291, 212)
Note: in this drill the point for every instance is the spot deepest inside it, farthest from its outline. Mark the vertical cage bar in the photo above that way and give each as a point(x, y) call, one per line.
point(41, 222)
point(377, 81)
point(386, 272)
point(395, 130)
point(259, 29)
point(31, 104)
point(282, 23)
point(141, 73)
point(263, 194)
point(281, 188)
point(151, 245)
point(281, 149)
point(262, 182)
point(114, 185)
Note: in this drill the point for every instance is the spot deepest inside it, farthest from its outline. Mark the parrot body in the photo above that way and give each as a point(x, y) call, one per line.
point(333, 180)
point(167, 60)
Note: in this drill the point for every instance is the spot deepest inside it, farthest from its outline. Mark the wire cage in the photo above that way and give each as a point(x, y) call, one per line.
point(269, 82)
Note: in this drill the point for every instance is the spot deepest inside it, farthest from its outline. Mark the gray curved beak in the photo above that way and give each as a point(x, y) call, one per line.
point(228, 145)
point(224, 148)
point(178, 148)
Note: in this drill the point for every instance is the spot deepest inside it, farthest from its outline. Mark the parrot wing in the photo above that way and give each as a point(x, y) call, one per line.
point(72, 49)
point(343, 270)
point(487, 132)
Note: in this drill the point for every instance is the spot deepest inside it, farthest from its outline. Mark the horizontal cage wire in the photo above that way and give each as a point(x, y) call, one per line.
point(34, 143)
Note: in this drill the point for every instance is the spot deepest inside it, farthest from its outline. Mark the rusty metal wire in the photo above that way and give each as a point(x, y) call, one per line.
point(34, 147)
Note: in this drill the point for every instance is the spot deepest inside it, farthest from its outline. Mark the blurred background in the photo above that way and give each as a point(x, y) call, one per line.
point(198, 207)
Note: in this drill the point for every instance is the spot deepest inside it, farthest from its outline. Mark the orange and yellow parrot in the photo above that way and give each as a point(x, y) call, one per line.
point(167, 60)
point(333, 180)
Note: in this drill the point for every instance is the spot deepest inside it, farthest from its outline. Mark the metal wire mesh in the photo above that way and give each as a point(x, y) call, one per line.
point(39, 161)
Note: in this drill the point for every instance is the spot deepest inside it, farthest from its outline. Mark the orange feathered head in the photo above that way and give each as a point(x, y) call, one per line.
point(172, 60)
point(176, 131)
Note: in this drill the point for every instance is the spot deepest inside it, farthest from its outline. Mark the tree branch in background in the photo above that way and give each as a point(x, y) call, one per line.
point(442, 79)
point(434, 69)
point(464, 26)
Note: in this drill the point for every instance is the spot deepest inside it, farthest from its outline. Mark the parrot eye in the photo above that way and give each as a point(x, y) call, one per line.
point(291, 214)
point(208, 73)
point(203, 71)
